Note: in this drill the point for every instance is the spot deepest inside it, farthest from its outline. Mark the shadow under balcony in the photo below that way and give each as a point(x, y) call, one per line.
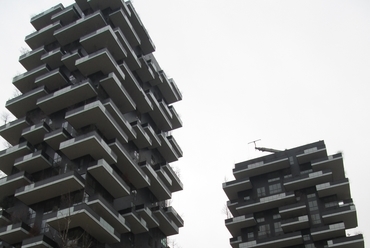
point(243, 170)
point(232, 188)
point(158, 114)
point(26, 82)
point(8, 156)
point(156, 141)
point(285, 240)
point(147, 214)
point(120, 20)
point(11, 131)
point(54, 138)
point(137, 224)
point(9, 184)
point(43, 36)
point(234, 225)
point(333, 163)
point(14, 233)
point(340, 188)
point(295, 224)
point(53, 80)
point(307, 180)
point(34, 162)
point(166, 149)
point(142, 138)
point(157, 187)
point(166, 225)
point(356, 241)
point(49, 188)
point(328, 232)
point(35, 134)
point(31, 59)
point(53, 58)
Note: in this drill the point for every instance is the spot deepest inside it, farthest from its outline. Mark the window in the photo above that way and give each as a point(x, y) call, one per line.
point(261, 192)
point(315, 219)
point(276, 216)
point(264, 231)
point(259, 220)
point(278, 229)
point(313, 205)
point(250, 236)
point(275, 188)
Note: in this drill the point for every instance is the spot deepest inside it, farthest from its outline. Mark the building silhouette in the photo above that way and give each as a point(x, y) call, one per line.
point(89, 151)
point(294, 198)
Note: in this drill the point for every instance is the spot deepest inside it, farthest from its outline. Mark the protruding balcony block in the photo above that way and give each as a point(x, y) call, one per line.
point(234, 225)
point(5, 218)
point(66, 97)
point(54, 138)
point(69, 60)
point(33, 162)
point(158, 115)
point(10, 183)
point(41, 241)
point(11, 131)
point(8, 156)
point(132, 60)
point(142, 139)
point(147, 46)
point(235, 241)
point(166, 225)
point(307, 180)
point(345, 213)
point(127, 164)
point(176, 183)
point(166, 149)
point(35, 134)
point(294, 224)
point(26, 81)
point(145, 73)
point(68, 15)
point(90, 143)
point(174, 216)
point(118, 93)
point(169, 89)
point(109, 179)
point(293, 210)
point(233, 187)
point(119, 19)
point(53, 58)
point(328, 232)
point(15, 232)
point(163, 176)
point(268, 202)
point(49, 188)
point(113, 4)
point(42, 37)
point(83, 216)
point(339, 188)
point(104, 38)
point(311, 154)
point(31, 59)
point(137, 224)
point(107, 212)
point(53, 80)
point(175, 146)
point(20, 105)
point(156, 141)
point(157, 187)
point(243, 170)
point(43, 19)
point(147, 215)
point(85, 25)
point(285, 240)
point(333, 163)
point(175, 120)
point(356, 241)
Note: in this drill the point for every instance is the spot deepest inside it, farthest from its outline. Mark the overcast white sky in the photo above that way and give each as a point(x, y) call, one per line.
point(287, 72)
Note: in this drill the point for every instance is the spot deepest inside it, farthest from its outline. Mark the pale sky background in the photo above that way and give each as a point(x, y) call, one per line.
point(287, 72)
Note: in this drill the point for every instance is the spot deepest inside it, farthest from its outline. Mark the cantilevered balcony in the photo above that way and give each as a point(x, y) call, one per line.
point(69, 59)
point(233, 187)
point(339, 188)
point(137, 224)
point(120, 19)
point(118, 93)
point(128, 166)
point(157, 187)
point(115, 112)
point(5, 218)
point(41, 241)
point(96, 114)
point(328, 232)
point(157, 76)
point(83, 216)
point(53, 58)
point(176, 183)
point(312, 154)
point(42, 37)
point(333, 163)
point(147, 45)
point(174, 216)
point(21, 104)
point(68, 15)
point(345, 213)
point(175, 146)
point(163, 175)
point(142, 138)
point(285, 240)
point(109, 179)
point(158, 115)
point(54, 138)
point(243, 170)
point(43, 19)
point(104, 38)
point(66, 97)
point(143, 104)
point(11, 131)
point(356, 241)
point(132, 60)
point(33, 162)
point(112, 4)
point(265, 203)
point(156, 141)
point(145, 72)
point(8, 156)
point(15, 232)
point(31, 59)
point(35, 134)
point(293, 210)
point(235, 241)
point(166, 150)
point(26, 81)
point(307, 180)
point(234, 225)
point(81, 27)
point(147, 215)
point(166, 225)
point(295, 224)
point(107, 212)
point(175, 120)
point(9, 184)
point(49, 188)
point(53, 80)
point(90, 143)
point(232, 205)
point(169, 89)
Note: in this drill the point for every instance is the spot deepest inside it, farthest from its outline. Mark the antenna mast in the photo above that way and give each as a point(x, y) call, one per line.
point(263, 149)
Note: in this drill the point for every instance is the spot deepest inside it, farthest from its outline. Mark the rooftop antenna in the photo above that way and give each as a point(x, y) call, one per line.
point(263, 149)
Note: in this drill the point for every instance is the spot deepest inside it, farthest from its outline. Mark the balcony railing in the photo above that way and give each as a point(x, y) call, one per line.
point(8, 156)
point(339, 188)
point(11, 131)
point(333, 163)
point(243, 170)
point(328, 232)
point(15, 232)
point(307, 180)
point(236, 224)
point(294, 224)
point(34, 162)
point(43, 19)
point(233, 187)
point(26, 81)
point(356, 241)
point(293, 210)
point(9, 184)
point(285, 240)
point(345, 213)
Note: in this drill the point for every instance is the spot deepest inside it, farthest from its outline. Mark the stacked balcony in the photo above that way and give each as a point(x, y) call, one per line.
point(40, 241)
point(234, 225)
point(307, 180)
point(13, 233)
point(339, 188)
point(328, 232)
point(257, 168)
point(356, 241)
point(11, 131)
point(33, 162)
point(137, 224)
point(284, 240)
point(10, 183)
point(233, 187)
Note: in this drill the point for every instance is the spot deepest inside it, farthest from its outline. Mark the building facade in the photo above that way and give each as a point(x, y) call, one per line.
point(294, 198)
point(88, 163)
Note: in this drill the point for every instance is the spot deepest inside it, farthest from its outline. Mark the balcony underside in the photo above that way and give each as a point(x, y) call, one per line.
point(148, 216)
point(35, 134)
point(119, 19)
point(307, 181)
point(9, 184)
point(41, 241)
point(26, 81)
point(8, 156)
point(14, 233)
point(142, 138)
point(43, 36)
point(157, 187)
point(33, 162)
point(54, 138)
point(235, 225)
point(31, 60)
point(260, 168)
point(11, 131)
point(166, 225)
point(137, 224)
point(335, 164)
point(286, 240)
point(233, 187)
point(311, 154)
point(356, 241)
point(328, 232)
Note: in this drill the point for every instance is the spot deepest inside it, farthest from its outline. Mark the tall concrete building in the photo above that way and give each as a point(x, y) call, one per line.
point(294, 198)
point(89, 153)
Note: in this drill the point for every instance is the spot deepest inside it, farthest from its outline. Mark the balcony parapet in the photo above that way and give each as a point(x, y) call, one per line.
point(31, 59)
point(11, 131)
point(243, 170)
point(35, 133)
point(38, 241)
point(147, 214)
point(284, 240)
point(43, 19)
point(296, 223)
point(293, 210)
point(153, 136)
point(34, 162)
point(356, 241)
point(312, 153)
point(340, 188)
point(157, 187)
point(15, 232)
point(26, 82)
point(345, 213)
point(176, 182)
point(236, 224)
point(43, 36)
point(8, 156)
point(232, 188)
point(333, 163)
point(328, 232)
point(10, 183)
point(307, 180)
point(171, 212)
